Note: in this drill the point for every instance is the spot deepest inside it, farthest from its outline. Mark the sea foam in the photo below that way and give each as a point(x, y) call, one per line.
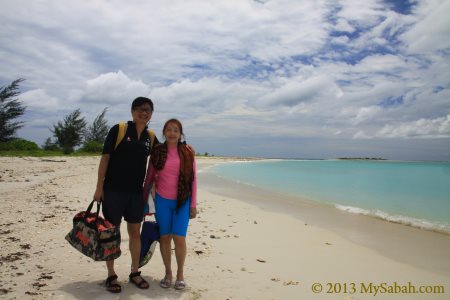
point(410, 221)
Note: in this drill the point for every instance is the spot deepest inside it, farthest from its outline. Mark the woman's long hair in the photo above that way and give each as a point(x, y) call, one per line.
point(186, 177)
point(186, 156)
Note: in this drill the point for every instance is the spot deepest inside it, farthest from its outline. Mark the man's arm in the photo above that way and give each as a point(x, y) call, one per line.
point(103, 166)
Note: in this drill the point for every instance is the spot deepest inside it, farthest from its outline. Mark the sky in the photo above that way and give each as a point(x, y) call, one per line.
point(275, 78)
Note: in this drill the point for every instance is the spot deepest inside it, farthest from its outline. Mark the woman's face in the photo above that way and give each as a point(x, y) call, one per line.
point(172, 134)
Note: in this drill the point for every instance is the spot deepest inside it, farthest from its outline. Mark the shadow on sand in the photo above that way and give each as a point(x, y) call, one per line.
point(95, 290)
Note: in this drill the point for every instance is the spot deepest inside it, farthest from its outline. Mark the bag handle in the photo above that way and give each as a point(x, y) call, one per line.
point(88, 210)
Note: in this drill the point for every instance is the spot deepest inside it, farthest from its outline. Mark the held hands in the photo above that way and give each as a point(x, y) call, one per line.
point(192, 213)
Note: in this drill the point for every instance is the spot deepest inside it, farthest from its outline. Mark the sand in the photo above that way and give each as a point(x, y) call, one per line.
point(246, 243)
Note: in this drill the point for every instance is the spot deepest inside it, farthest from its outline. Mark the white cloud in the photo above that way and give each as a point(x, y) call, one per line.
point(422, 128)
point(113, 88)
point(363, 13)
point(380, 63)
point(245, 68)
point(362, 114)
point(298, 90)
point(431, 30)
point(39, 100)
point(343, 25)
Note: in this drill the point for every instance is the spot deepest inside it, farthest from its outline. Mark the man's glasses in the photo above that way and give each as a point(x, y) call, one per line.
point(143, 110)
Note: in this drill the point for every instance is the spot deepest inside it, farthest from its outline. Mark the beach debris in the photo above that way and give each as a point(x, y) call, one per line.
point(52, 160)
point(46, 276)
point(198, 252)
point(214, 236)
point(275, 279)
point(13, 257)
point(260, 260)
point(4, 291)
point(25, 246)
point(38, 285)
point(328, 244)
point(290, 282)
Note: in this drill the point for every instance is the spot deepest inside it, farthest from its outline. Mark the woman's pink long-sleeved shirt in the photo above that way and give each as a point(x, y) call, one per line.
point(167, 178)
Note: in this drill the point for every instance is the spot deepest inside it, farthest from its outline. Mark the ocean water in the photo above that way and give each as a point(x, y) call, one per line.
point(412, 193)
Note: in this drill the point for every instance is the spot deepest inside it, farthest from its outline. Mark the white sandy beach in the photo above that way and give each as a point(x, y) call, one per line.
point(245, 244)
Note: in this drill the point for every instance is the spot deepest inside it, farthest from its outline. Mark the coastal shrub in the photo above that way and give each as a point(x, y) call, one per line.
point(11, 108)
point(69, 133)
point(92, 146)
point(50, 146)
point(18, 145)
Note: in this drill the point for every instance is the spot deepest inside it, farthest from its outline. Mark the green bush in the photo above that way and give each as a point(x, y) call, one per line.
point(92, 146)
point(50, 146)
point(18, 144)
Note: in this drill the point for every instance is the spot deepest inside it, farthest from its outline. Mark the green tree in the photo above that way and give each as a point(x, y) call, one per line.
point(49, 145)
point(10, 109)
point(98, 130)
point(69, 133)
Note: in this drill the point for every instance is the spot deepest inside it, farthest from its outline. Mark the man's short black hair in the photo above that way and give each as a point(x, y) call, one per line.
point(139, 101)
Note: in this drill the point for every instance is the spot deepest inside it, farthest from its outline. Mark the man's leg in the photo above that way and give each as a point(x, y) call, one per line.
point(110, 267)
point(134, 244)
point(135, 251)
point(112, 207)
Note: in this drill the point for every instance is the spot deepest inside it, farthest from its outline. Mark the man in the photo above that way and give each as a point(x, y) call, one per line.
point(121, 175)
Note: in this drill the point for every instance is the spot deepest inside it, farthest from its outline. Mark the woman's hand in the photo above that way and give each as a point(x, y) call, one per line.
point(192, 213)
point(191, 149)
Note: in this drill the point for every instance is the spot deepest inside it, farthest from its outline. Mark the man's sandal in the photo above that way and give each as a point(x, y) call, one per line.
point(112, 287)
point(142, 284)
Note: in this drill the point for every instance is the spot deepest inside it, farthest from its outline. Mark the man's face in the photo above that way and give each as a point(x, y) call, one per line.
point(142, 114)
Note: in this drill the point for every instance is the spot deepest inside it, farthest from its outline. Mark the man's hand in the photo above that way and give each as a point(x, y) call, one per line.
point(98, 195)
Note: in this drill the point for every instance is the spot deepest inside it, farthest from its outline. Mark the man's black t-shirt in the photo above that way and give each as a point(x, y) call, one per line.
point(128, 162)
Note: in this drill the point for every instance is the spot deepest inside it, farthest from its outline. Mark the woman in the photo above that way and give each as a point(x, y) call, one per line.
point(172, 169)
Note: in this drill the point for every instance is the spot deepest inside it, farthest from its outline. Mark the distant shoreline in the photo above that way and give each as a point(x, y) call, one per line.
point(361, 158)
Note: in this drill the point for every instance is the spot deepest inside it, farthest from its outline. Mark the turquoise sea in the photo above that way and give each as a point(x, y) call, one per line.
point(412, 193)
